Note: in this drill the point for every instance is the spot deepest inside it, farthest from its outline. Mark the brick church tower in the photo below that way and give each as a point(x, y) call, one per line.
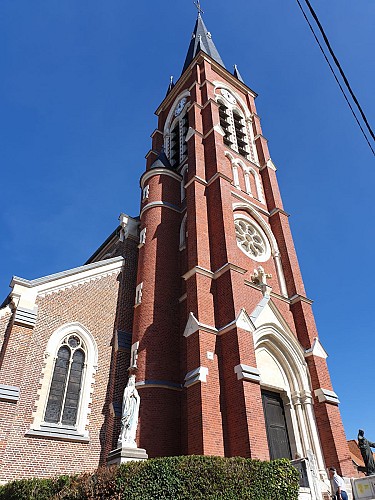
point(202, 291)
point(229, 358)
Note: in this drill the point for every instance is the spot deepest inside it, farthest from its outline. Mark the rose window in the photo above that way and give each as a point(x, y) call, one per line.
point(250, 240)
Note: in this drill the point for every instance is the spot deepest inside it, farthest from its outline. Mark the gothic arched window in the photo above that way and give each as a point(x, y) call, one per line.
point(66, 384)
point(178, 128)
point(232, 121)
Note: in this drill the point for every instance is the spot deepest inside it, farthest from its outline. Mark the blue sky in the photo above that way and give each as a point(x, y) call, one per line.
point(80, 82)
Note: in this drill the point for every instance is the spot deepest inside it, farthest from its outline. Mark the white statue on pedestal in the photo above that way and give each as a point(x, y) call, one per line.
point(130, 412)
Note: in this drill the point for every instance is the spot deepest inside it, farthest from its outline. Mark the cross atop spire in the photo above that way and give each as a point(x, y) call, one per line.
point(198, 6)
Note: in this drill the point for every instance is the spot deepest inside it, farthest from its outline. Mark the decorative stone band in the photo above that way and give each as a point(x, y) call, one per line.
point(56, 432)
point(245, 372)
point(242, 321)
point(163, 384)
point(316, 350)
point(123, 341)
point(26, 317)
point(159, 203)
point(195, 376)
point(9, 393)
point(326, 396)
point(159, 171)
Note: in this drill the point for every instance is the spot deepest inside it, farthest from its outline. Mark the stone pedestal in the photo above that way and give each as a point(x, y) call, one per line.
point(121, 455)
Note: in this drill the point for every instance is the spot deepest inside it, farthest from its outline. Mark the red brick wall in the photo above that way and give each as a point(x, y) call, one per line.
point(101, 306)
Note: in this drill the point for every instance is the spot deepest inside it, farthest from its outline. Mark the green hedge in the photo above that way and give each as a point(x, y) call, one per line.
point(177, 478)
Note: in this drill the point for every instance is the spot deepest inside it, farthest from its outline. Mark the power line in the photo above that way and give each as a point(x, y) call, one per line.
point(339, 66)
point(337, 80)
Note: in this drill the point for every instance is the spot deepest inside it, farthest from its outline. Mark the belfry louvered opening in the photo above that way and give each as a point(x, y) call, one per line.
point(177, 140)
point(240, 132)
point(234, 127)
point(225, 124)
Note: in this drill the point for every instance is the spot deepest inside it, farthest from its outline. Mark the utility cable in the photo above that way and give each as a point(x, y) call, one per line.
point(339, 67)
point(334, 74)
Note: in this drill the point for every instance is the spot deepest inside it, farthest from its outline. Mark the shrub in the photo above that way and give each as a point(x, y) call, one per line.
point(177, 478)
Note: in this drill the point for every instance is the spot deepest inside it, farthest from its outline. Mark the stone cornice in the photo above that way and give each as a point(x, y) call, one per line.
point(228, 266)
point(88, 269)
point(25, 292)
point(159, 171)
point(300, 298)
point(162, 204)
point(275, 211)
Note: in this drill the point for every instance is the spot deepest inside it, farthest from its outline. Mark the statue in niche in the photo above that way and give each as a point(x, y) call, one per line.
point(130, 412)
point(365, 446)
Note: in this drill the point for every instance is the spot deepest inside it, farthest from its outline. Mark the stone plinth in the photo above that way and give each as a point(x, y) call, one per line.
point(121, 455)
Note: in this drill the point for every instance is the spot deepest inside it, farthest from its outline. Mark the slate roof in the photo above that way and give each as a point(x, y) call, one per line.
point(201, 40)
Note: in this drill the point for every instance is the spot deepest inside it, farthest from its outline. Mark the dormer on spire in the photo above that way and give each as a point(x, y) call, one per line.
point(201, 40)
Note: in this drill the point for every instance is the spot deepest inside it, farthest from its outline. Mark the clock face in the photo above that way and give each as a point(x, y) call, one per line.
point(180, 106)
point(228, 96)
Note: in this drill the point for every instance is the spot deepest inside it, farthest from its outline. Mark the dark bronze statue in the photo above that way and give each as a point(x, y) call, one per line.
point(365, 447)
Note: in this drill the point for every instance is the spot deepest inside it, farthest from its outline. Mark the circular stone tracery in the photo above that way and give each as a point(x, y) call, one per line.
point(250, 240)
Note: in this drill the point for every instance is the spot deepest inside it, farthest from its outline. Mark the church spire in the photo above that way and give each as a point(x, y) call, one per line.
point(201, 39)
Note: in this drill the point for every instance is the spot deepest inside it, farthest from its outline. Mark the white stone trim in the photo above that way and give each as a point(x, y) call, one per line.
point(129, 227)
point(142, 237)
point(25, 292)
point(196, 178)
point(247, 170)
point(249, 373)
point(91, 366)
point(158, 171)
point(195, 376)
point(198, 270)
point(267, 247)
point(327, 396)
point(193, 325)
point(183, 173)
point(274, 338)
point(170, 116)
point(316, 350)
point(26, 317)
point(183, 233)
point(9, 393)
point(162, 204)
point(213, 274)
point(138, 294)
point(247, 207)
point(145, 192)
point(241, 107)
point(242, 321)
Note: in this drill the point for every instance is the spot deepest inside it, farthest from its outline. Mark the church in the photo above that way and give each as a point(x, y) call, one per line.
point(200, 295)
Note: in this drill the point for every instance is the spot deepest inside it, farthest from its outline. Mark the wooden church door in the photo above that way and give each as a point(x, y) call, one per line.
point(277, 432)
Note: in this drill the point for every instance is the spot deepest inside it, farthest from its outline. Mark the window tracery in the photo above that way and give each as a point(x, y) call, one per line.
point(66, 384)
point(251, 239)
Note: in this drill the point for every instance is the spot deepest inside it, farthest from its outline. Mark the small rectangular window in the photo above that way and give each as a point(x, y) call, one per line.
point(145, 192)
point(142, 237)
point(138, 294)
